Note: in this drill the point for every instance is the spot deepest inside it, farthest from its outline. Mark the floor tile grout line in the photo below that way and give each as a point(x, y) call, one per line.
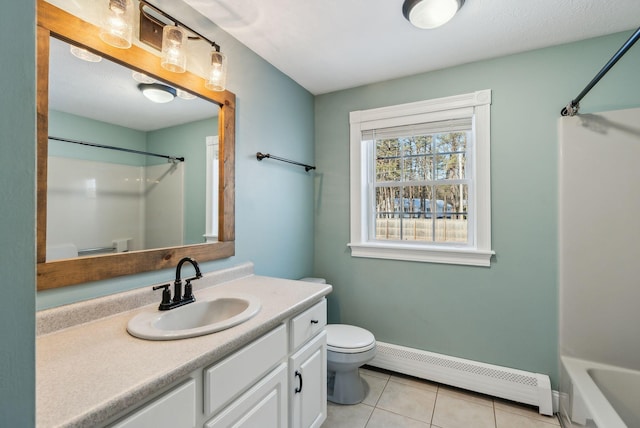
point(435, 403)
point(375, 406)
point(383, 388)
point(399, 414)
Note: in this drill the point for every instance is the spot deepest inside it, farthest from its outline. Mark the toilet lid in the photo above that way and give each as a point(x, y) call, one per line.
point(348, 339)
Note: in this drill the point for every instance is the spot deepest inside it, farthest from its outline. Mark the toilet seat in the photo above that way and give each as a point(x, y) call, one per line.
point(349, 339)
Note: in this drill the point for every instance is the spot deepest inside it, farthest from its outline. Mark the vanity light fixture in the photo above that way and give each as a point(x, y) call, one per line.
point(429, 14)
point(163, 32)
point(157, 92)
point(116, 27)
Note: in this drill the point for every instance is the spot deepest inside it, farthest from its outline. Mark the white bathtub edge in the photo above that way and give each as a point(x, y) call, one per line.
point(588, 400)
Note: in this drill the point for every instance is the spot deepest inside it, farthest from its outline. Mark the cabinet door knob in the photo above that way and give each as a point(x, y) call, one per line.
point(314, 321)
point(299, 376)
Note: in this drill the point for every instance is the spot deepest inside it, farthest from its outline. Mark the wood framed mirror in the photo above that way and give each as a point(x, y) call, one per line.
point(56, 23)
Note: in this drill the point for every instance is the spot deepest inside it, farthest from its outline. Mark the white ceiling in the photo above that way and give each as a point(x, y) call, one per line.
point(328, 45)
point(107, 92)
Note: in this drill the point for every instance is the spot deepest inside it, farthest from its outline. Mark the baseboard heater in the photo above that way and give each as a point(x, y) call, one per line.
point(510, 384)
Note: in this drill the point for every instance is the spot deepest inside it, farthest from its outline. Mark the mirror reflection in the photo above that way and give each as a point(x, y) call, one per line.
point(101, 199)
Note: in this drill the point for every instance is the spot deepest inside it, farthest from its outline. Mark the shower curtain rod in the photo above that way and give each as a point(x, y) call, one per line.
point(261, 156)
point(122, 149)
point(572, 108)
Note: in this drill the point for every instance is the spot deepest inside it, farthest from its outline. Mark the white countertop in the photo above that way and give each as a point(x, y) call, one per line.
point(89, 372)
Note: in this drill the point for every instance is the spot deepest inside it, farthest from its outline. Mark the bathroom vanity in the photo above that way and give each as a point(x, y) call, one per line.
point(269, 371)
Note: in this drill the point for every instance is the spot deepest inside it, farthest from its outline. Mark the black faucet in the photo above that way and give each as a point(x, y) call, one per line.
point(178, 298)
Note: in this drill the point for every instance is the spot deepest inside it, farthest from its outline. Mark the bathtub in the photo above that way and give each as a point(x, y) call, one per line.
point(598, 395)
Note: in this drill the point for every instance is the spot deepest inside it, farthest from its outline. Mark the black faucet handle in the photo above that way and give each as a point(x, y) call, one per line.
point(166, 294)
point(188, 290)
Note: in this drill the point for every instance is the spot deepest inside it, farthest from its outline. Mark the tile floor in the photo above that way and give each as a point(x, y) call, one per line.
point(398, 401)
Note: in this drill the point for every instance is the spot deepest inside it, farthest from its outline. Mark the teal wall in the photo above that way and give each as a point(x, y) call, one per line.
point(274, 201)
point(506, 314)
point(70, 126)
point(17, 214)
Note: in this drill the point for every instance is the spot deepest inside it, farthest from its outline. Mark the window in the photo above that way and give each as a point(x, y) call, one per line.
point(420, 181)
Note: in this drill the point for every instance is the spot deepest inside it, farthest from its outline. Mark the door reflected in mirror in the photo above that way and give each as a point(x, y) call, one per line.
point(104, 199)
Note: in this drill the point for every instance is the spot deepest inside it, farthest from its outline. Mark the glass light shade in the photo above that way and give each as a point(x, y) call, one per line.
point(428, 14)
point(217, 79)
point(174, 52)
point(142, 78)
point(116, 28)
point(157, 92)
point(84, 54)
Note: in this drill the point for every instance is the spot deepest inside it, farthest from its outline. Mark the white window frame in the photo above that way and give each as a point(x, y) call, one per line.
point(211, 226)
point(477, 252)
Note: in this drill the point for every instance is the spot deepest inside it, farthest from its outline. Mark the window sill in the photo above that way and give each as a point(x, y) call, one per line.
point(414, 253)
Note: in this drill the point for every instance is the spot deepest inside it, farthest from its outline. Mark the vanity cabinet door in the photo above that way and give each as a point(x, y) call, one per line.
point(175, 409)
point(262, 406)
point(308, 384)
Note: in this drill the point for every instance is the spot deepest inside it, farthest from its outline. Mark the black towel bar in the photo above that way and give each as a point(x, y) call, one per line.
point(261, 156)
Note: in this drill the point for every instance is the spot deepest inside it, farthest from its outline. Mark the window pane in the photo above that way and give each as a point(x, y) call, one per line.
point(388, 202)
point(388, 213)
point(388, 148)
point(451, 155)
point(417, 224)
point(416, 201)
point(417, 159)
point(388, 160)
point(417, 145)
point(388, 170)
point(451, 218)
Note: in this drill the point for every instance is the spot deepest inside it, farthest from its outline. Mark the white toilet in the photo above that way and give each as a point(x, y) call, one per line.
point(348, 348)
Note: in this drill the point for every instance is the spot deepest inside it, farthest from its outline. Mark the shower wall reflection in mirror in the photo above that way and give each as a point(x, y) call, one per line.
point(101, 200)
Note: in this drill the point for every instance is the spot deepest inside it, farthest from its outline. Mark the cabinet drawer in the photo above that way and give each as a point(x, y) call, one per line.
point(230, 377)
point(176, 408)
point(308, 324)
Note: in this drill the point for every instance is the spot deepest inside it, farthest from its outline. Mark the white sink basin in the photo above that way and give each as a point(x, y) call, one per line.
point(194, 319)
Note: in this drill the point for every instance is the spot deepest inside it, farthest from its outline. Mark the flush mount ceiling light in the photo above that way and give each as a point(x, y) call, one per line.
point(428, 14)
point(157, 92)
